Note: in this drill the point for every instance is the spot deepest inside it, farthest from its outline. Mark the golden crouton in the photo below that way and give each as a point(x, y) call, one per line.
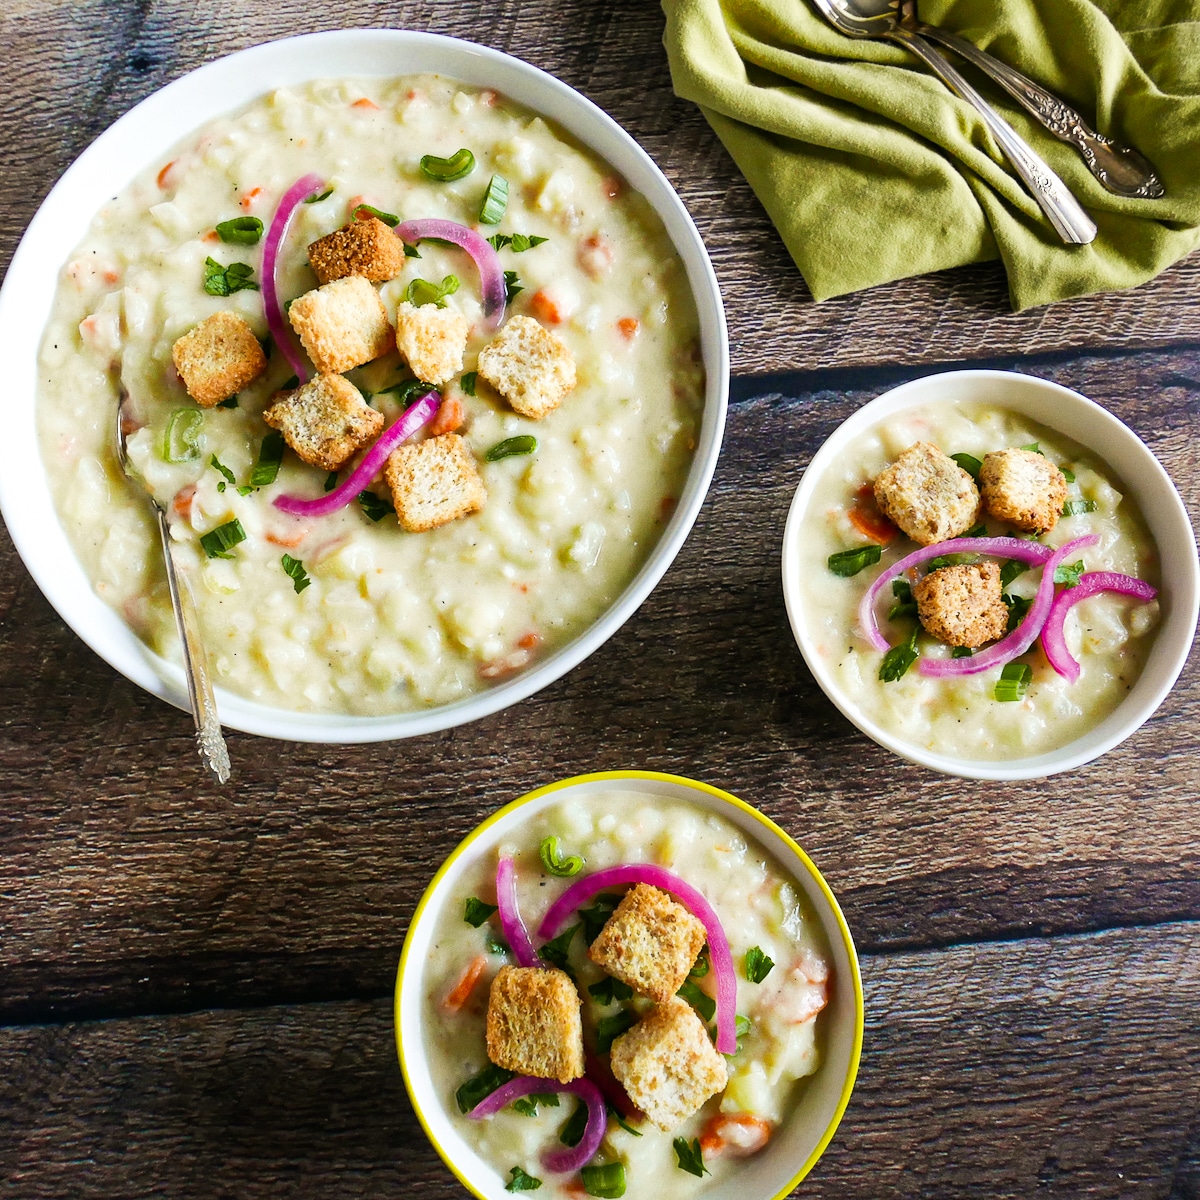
point(1023, 488)
point(367, 248)
point(217, 358)
point(342, 324)
point(433, 482)
point(649, 942)
point(961, 606)
point(529, 366)
point(324, 421)
point(432, 340)
point(668, 1064)
point(928, 495)
point(533, 1023)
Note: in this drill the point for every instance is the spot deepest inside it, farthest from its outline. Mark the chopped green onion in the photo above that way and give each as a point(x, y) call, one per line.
point(899, 658)
point(221, 540)
point(961, 652)
point(181, 441)
point(447, 170)
point(1013, 682)
point(555, 863)
point(331, 481)
point(294, 569)
point(512, 286)
point(520, 1182)
point(1010, 571)
point(606, 1182)
point(232, 402)
point(757, 965)
point(1073, 508)
point(386, 217)
point(495, 201)
point(376, 507)
point(596, 917)
point(616, 1116)
point(701, 966)
point(690, 1158)
point(573, 1130)
point(523, 443)
point(556, 950)
point(700, 1000)
point(1069, 573)
point(969, 463)
point(421, 291)
point(224, 281)
point(1018, 606)
point(609, 1028)
point(270, 455)
point(241, 231)
point(477, 911)
point(468, 381)
point(479, 1087)
point(315, 199)
point(610, 990)
point(849, 562)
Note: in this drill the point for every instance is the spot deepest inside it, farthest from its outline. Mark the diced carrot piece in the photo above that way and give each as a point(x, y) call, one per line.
point(211, 236)
point(738, 1134)
point(110, 276)
point(531, 641)
point(546, 308)
point(488, 97)
point(872, 525)
point(182, 504)
point(450, 415)
point(367, 104)
point(506, 664)
point(461, 992)
point(595, 255)
point(164, 181)
point(574, 1189)
point(629, 327)
point(250, 199)
point(289, 542)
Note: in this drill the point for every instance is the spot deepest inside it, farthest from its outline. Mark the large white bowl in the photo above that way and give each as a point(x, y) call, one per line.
point(147, 132)
point(798, 1143)
point(1143, 478)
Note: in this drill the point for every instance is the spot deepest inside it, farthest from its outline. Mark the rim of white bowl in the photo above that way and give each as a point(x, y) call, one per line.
point(1134, 464)
point(467, 1165)
point(151, 128)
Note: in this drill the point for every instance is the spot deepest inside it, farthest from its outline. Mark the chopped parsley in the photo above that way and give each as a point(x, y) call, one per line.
point(757, 965)
point(376, 507)
point(609, 1028)
point(899, 658)
point(555, 951)
point(700, 1000)
point(1069, 573)
point(476, 911)
point(270, 455)
point(610, 990)
point(421, 291)
point(596, 917)
point(220, 541)
point(467, 382)
point(969, 463)
point(849, 562)
point(479, 1087)
point(294, 569)
point(224, 281)
point(690, 1158)
point(512, 286)
point(572, 1131)
point(520, 1182)
point(520, 242)
point(315, 199)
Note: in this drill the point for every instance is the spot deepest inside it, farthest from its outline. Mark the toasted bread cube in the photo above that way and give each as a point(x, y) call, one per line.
point(433, 482)
point(342, 324)
point(324, 421)
point(1023, 488)
point(533, 1023)
point(529, 366)
point(668, 1064)
point(650, 942)
point(368, 248)
point(928, 495)
point(962, 605)
point(432, 340)
point(218, 357)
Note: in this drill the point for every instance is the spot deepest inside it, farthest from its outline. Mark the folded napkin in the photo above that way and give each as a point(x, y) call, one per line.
point(871, 170)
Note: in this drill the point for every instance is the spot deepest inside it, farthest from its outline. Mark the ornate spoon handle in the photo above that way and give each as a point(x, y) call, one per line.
point(1119, 168)
point(1053, 196)
point(209, 738)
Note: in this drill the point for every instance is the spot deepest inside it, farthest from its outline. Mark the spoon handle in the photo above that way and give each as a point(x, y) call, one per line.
point(1053, 196)
point(1121, 169)
point(209, 738)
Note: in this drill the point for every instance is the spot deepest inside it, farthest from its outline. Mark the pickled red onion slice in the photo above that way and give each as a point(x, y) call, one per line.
point(574, 1157)
point(998, 547)
point(1054, 641)
point(491, 274)
point(1023, 636)
point(718, 944)
point(276, 322)
point(515, 932)
point(417, 414)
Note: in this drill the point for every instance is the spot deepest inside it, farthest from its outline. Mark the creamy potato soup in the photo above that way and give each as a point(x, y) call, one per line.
point(373, 619)
point(1110, 635)
point(779, 1023)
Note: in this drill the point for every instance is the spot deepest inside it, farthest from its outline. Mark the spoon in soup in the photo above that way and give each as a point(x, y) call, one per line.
point(209, 738)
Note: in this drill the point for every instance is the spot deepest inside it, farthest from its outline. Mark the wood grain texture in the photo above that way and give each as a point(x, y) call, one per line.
point(134, 886)
point(72, 69)
point(1068, 1067)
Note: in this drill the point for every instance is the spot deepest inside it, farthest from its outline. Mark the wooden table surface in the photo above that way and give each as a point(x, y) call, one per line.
point(195, 984)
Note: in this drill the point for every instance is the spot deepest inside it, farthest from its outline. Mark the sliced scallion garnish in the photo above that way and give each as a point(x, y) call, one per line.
point(606, 1182)
point(1074, 508)
point(523, 443)
point(241, 231)
point(495, 201)
point(181, 440)
point(556, 951)
point(554, 861)
point(849, 562)
point(1013, 682)
point(218, 542)
point(315, 199)
point(293, 568)
point(386, 217)
point(447, 170)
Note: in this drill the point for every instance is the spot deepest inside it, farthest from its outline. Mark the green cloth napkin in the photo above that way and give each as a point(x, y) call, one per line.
point(871, 170)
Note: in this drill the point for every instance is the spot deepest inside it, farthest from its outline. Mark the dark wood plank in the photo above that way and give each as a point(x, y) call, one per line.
point(1065, 1068)
point(71, 69)
point(133, 886)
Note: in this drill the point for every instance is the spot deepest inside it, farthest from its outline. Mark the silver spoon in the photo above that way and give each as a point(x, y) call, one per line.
point(1121, 169)
point(209, 738)
point(879, 19)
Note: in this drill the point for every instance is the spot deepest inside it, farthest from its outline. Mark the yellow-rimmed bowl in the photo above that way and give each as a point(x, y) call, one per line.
point(799, 1142)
